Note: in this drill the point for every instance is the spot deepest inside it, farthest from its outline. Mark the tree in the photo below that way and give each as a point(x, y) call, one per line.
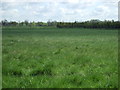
point(5, 22)
point(26, 22)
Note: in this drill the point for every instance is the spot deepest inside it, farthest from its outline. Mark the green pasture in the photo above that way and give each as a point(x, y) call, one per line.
point(59, 58)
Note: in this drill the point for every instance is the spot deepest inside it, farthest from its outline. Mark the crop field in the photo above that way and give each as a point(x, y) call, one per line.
point(59, 58)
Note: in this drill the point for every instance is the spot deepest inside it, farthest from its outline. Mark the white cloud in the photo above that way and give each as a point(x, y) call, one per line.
point(67, 10)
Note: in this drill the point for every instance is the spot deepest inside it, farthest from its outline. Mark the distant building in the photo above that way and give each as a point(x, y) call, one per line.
point(119, 11)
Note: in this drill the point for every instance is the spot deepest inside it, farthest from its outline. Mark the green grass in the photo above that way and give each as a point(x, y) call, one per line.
point(59, 58)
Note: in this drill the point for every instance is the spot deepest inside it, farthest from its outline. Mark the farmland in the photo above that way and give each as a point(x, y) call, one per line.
point(59, 58)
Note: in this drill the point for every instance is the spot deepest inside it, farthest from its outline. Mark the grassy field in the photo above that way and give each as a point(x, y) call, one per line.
point(59, 58)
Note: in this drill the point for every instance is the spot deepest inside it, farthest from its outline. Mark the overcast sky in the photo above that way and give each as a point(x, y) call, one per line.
point(59, 10)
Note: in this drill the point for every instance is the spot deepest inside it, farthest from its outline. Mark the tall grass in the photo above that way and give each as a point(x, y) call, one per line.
point(60, 58)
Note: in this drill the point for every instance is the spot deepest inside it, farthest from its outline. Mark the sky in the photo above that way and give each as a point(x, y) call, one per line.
point(58, 10)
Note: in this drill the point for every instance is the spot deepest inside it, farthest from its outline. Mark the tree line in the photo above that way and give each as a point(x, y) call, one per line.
point(87, 24)
point(23, 23)
point(90, 24)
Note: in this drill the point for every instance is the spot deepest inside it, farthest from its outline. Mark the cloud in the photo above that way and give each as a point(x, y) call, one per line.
point(60, 10)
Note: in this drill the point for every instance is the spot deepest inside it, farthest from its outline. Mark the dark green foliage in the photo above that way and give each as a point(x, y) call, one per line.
point(90, 24)
point(87, 24)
